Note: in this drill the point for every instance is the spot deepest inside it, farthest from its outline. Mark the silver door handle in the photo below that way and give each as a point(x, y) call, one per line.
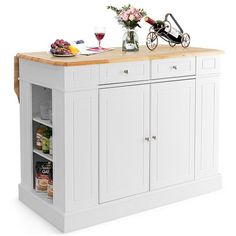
point(154, 138)
point(147, 139)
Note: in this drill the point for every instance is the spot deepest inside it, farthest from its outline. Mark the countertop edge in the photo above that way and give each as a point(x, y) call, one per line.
point(206, 52)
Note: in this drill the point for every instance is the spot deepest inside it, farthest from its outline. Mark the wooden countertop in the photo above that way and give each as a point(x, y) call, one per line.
point(116, 55)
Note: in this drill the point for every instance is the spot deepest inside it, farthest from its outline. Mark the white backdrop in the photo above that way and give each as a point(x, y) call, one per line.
point(27, 25)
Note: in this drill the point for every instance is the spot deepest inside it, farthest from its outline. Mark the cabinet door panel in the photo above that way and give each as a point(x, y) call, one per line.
point(124, 153)
point(172, 122)
point(206, 127)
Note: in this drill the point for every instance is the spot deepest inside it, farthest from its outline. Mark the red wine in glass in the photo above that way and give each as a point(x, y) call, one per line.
point(99, 36)
point(99, 33)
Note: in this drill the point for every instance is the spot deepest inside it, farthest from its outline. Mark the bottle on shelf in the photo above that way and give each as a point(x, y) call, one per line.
point(39, 137)
point(45, 140)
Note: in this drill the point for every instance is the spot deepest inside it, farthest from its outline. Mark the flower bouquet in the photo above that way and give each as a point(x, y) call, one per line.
point(129, 17)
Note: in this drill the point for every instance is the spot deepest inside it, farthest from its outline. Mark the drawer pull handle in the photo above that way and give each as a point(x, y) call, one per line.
point(154, 138)
point(126, 72)
point(147, 139)
point(175, 67)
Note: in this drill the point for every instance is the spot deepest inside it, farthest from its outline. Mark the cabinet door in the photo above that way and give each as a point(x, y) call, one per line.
point(124, 153)
point(172, 131)
point(206, 126)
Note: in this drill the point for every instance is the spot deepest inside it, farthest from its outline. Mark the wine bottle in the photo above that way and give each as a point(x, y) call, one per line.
point(171, 34)
point(156, 24)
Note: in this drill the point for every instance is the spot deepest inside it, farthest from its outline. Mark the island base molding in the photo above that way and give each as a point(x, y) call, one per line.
point(112, 210)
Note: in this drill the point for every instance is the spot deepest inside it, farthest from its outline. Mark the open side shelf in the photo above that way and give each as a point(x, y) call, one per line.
point(46, 156)
point(40, 97)
point(42, 196)
point(37, 119)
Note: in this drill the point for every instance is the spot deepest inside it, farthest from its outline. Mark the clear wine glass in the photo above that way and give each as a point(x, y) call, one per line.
point(99, 32)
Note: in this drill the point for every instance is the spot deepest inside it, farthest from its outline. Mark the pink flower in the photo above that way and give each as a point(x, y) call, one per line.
point(132, 10)
point(132, 14)
point(124, 16)
point(138, 16)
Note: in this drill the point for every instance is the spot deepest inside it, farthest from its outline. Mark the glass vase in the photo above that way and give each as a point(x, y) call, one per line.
point(130, 41)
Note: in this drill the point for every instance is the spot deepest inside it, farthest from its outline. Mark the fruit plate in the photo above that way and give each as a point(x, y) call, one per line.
point(67, 55)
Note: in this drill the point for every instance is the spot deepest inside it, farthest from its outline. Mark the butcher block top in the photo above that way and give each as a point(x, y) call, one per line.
point(116, 55)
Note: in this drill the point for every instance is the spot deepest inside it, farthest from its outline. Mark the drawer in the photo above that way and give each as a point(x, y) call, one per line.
point(208, 65)
point(173, 67)
point(124, 72)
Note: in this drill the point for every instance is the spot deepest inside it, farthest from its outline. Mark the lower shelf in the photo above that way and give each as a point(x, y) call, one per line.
point(46, 156)
point(42, 196)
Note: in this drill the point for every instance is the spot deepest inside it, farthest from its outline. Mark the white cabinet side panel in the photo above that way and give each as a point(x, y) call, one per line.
point(85, 149)
point(59, 157)
point(206, 126)
point(26, 134)
point(75, 122)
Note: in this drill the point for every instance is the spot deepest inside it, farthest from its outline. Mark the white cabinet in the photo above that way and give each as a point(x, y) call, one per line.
point(124, 153)
point(130, 134)
point(172, 131)
point(206, 126)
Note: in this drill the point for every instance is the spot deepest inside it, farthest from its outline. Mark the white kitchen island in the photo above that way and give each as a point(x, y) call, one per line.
point(131, 131)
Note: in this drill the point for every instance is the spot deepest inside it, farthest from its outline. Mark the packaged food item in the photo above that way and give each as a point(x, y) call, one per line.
point(51, 145)
point(45, 140)
point(43, 170)
point(50, 186)
point(39, 137)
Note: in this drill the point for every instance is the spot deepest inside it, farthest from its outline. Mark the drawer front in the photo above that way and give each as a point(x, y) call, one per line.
point(167, 68)
point(208, 65)
point(124, 72)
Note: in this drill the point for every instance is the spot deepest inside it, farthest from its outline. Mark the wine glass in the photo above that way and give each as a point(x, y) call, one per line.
point(99, 32)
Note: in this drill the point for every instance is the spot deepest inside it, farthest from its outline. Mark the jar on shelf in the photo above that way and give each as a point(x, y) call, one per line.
point(39, 137)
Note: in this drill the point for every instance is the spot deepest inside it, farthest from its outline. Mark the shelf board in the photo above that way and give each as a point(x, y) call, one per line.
point(42, 196)
point(46, 156)
point(43, 122)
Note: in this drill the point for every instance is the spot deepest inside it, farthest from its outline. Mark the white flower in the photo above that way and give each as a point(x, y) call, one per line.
point(131, 17)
